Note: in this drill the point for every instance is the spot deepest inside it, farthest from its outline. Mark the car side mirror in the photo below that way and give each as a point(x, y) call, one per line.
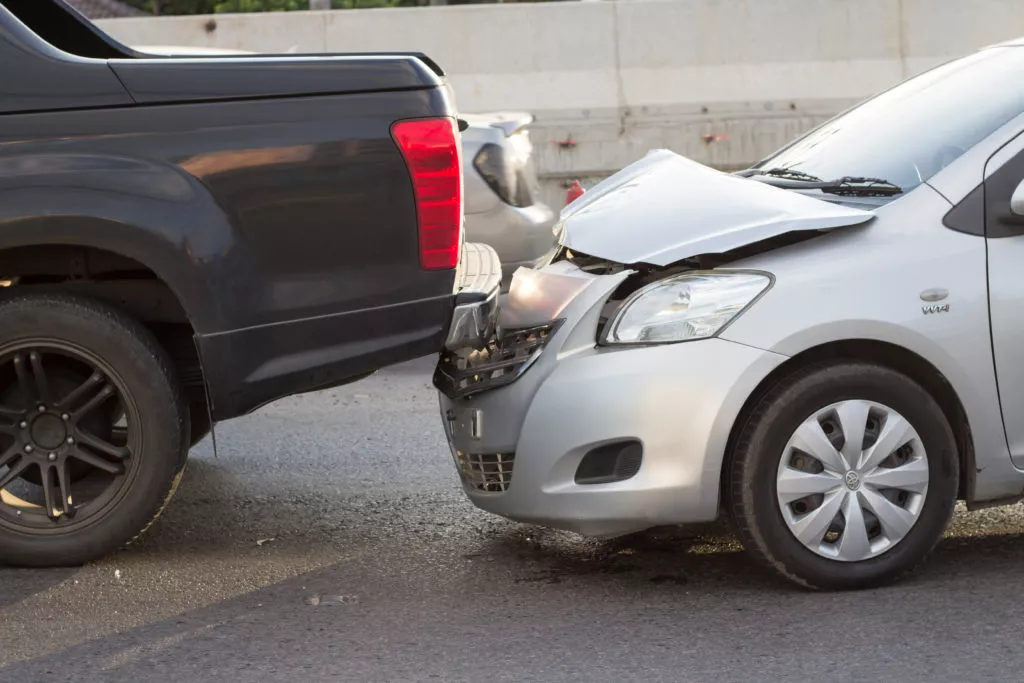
point(1017, 200)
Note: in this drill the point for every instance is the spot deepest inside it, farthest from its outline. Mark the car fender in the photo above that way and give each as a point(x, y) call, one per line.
point(871, 283)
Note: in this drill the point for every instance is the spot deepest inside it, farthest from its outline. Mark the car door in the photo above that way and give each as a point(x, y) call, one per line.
point(1004, 232)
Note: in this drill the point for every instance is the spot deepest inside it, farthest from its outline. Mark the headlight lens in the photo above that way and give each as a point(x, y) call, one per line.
point(684, 307)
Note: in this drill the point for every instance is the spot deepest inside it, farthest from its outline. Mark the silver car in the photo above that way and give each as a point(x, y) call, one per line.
point(826, 347)
point(503, 208)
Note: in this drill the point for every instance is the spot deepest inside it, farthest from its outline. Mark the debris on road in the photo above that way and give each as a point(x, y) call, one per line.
point(329, 600)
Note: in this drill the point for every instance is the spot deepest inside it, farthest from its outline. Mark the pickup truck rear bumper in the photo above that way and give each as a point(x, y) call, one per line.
point(474, 318)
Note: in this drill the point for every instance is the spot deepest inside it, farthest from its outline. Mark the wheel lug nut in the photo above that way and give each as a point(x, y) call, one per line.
point(51, 457)
point(23, 424)
point(65, 417)
point(42, 409)
point(70, 440)
point(28, 449)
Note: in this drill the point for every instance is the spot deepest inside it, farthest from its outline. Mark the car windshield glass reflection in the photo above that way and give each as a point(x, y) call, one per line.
point(911, 132)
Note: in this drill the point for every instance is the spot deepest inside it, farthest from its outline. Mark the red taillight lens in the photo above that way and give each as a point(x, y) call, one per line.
point(431, 151)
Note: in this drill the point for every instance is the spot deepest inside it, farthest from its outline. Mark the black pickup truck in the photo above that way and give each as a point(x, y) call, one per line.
point(184, 240)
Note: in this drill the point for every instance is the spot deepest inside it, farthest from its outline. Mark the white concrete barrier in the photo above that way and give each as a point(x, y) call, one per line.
point(721, 81)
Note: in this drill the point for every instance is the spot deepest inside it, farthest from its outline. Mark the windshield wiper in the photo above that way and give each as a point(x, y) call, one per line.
point(864, 187)
point(779, 172)
point(792, 179)
point(790, 174)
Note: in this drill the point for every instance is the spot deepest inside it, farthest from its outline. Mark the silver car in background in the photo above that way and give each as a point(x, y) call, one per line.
point(827, 347)
point(503, 208)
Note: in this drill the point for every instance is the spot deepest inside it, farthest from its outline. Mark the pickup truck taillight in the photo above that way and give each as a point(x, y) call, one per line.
point(430, 148)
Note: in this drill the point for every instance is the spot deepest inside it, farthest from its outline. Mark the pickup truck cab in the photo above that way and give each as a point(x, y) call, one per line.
point(183, 240)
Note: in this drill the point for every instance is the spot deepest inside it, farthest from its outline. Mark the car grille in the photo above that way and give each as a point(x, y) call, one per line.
point(501, 362)
point(487, 472)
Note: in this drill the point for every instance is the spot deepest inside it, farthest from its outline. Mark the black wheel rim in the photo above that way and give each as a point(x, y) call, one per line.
point(70, 436)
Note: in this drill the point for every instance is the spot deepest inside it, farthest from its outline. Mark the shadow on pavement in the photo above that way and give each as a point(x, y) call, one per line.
point(663, 557)
point(670, 574)
point(506, 579)
point(710, 557)
point(217, 511)
point(18, 584)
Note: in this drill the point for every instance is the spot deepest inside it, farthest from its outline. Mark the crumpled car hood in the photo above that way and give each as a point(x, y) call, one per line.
point(666, 208)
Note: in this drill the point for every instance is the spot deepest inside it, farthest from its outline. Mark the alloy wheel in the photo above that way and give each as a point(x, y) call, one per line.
point(68, 436)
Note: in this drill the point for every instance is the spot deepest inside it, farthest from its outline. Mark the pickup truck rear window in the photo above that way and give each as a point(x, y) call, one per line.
point(65, 29)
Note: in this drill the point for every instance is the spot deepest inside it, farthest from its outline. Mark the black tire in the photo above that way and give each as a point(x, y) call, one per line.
point(752, 473)
point(138, 369)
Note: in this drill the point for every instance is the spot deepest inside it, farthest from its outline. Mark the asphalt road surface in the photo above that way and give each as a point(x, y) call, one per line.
point(328, 540)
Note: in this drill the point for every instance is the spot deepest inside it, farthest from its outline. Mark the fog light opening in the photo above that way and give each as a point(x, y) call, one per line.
point(610, 463)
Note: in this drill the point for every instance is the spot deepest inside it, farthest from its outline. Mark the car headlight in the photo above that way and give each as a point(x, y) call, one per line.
point(694, 305)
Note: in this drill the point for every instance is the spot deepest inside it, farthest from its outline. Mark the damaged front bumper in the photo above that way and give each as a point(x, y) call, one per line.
point(501, 361)
point(547, 427)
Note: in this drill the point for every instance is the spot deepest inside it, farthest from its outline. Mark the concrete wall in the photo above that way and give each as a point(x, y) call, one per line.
point(721, 81)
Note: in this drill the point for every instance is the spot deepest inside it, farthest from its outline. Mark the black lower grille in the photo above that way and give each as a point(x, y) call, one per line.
point(488, 472)
point(612, 462)
point(501, 362)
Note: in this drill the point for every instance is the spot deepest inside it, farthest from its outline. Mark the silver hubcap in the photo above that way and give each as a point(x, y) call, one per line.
point(852, 480)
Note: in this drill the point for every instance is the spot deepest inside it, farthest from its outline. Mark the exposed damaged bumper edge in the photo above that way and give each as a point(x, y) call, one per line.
point(474, 318)
point(472, 323)
point(501, 362)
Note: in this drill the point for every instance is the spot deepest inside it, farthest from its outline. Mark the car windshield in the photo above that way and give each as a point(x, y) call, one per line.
point(911, 132)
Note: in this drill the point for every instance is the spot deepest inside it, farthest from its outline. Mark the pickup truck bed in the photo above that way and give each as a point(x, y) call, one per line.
point(197, 237)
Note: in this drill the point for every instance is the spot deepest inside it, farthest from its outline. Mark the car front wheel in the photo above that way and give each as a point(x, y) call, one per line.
point(844, 476)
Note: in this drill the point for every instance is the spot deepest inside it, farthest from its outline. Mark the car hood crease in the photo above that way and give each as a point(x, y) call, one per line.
point(666, 208)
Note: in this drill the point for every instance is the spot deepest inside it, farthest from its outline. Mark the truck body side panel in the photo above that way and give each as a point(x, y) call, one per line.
point(285, 226)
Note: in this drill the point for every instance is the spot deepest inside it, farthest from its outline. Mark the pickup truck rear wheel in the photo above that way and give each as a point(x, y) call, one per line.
point(844, 477)
point(93, 430)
